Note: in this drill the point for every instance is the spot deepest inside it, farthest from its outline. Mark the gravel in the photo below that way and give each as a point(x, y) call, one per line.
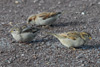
point(46, 50)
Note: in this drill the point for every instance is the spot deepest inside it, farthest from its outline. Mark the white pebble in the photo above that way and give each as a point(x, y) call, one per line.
point(82, 13)
point(69, 5)
point(84, 26)
point(16, 2)
point(59, 2)
point(22, 54)
point(82, 64)
point(9, 10)
point(8, 61)
point(35, 1)
point(39, 4)
point(98, 2)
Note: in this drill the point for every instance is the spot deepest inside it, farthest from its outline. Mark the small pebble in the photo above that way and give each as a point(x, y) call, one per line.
point(8, 61)
point(16, 2)
point(84, 26)
point(39, 4)
point(20, 44)
point(10, 23)
point(98, 2)
point(69, 5)
point(35, 1)
point(22, 54)
point(82, 13)
point(9, 10)
point(82, 65)
point(59, 2)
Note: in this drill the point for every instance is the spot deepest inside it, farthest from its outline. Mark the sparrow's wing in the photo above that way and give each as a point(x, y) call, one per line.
point(69, 36)
point(26, 29)
point(46, 15)
point(73, 33)
point(30, 29)
point(32, 17)
point(64, 36)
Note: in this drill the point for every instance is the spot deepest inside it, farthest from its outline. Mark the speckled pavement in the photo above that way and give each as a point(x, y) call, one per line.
point(46, 50)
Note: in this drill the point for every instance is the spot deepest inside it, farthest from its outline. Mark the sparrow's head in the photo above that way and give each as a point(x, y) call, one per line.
point(31, 19)
point(15, 30)
point(85, 35)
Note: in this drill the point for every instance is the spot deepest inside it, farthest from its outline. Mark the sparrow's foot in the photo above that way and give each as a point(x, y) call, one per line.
point(73, 48)
point(46, 26)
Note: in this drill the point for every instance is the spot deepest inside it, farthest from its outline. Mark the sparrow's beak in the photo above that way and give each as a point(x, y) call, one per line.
point(10, 31)
point(90, 38)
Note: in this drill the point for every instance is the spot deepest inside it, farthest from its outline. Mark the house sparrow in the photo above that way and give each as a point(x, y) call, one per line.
point(73, 39)
point(45, 18)
point(24, 33)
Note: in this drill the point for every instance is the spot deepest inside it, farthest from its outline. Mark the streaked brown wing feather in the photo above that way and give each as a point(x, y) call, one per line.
point(69, 35)
point(73, 37)
point(47, 15)
point(32, 18)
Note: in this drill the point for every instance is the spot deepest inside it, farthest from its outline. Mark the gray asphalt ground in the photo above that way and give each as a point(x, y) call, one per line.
point(46, 50)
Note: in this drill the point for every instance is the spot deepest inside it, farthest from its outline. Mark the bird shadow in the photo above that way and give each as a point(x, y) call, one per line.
point(85, 47)
point(42, 40)
point(68, 24)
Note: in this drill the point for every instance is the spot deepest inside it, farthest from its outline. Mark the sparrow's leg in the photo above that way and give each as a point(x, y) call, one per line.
point(73, 48)
point(46, 26)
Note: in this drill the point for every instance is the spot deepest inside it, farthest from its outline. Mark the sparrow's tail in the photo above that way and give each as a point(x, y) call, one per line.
point(63, 12)
point(59, 12)
point(55, 35)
